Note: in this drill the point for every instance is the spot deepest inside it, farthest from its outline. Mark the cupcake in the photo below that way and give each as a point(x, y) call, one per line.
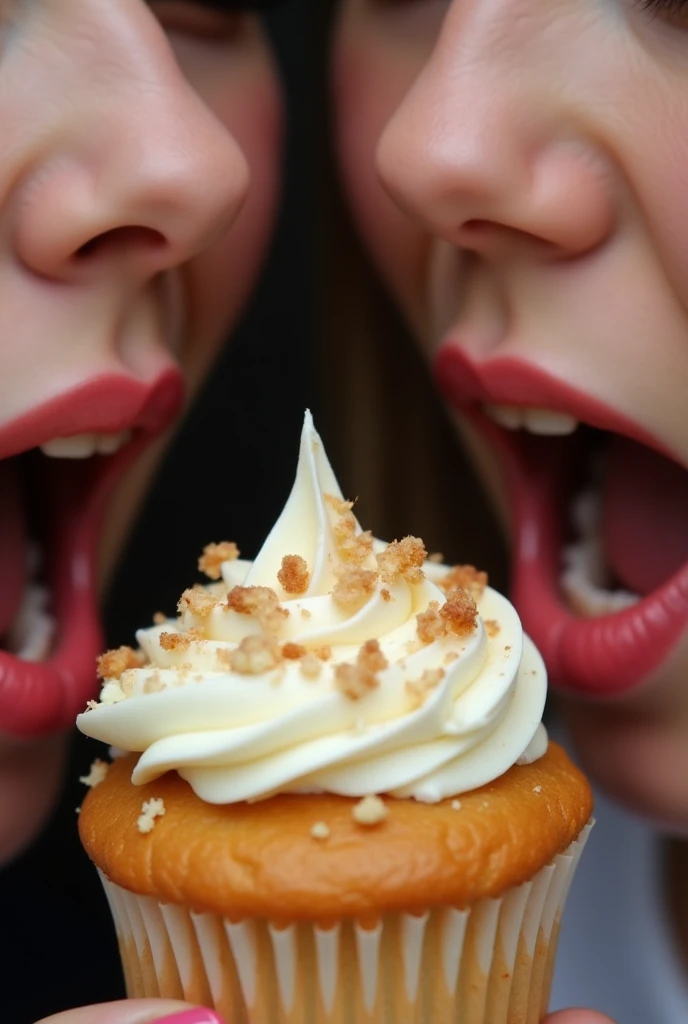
point(332, 797)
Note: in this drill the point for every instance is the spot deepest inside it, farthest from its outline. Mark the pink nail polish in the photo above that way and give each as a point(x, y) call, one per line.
point(196, 1016)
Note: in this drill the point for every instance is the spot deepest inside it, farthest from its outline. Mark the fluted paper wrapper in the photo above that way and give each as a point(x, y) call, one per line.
point(489, 964)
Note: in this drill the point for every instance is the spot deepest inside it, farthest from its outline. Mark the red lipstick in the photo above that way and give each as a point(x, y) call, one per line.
point(38, 698)
point(602, 656)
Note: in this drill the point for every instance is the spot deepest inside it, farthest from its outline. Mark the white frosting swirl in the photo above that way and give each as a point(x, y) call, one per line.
point(443, 717)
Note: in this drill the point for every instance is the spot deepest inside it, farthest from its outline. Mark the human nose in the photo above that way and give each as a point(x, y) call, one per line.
point(488, 151)
point(134, 174)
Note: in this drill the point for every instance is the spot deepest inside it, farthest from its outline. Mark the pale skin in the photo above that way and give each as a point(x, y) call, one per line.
point(516, 169)
point(138, 186)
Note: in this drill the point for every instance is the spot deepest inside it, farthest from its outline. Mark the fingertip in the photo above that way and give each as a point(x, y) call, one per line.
point(578, 1017)
point(129, 1011)
point(197, 1015)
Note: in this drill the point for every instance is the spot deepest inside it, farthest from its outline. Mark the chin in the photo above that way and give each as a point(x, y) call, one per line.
point(638, 750)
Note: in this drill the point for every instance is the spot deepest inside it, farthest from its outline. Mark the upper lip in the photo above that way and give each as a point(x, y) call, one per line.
point(109, 403)
point(507, 380)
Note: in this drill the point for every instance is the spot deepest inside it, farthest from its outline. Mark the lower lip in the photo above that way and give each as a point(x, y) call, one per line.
point(41, 698)
point(599, 657)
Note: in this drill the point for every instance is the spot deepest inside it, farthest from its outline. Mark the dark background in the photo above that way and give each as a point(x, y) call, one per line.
point(57, 946)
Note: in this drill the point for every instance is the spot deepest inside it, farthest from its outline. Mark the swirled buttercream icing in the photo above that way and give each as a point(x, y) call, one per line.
point(332, 662)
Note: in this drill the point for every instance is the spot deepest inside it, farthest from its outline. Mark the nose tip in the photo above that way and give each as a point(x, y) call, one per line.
point(494, 176)
point(190, 191)
point(149, 192)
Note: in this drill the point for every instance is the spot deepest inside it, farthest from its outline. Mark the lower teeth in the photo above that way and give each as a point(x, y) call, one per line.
point(584, 579)
point(31, 634)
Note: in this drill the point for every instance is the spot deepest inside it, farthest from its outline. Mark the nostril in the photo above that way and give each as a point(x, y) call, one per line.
point(120, 240)
point(477, 225)
point(498, 236)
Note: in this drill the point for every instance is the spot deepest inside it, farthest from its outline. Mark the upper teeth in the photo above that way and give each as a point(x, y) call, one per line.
point(82, 446)
point(537, 421)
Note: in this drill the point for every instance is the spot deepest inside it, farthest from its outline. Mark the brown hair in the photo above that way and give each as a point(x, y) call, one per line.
point(385, 428)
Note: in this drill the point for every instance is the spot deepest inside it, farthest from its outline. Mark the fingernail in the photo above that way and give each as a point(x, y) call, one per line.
point(195, 1016)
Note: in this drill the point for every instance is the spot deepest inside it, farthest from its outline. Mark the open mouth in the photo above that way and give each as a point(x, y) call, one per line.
point(600, 520)
point(58, 467)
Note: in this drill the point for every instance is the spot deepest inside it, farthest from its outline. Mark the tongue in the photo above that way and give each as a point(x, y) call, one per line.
point(13, 550)
point(645, 515)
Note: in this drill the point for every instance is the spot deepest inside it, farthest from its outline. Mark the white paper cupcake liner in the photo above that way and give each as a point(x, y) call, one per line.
point(491, 963)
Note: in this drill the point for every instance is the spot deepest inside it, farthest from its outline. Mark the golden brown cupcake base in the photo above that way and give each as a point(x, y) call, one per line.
point(261, 860)
point(489, 964)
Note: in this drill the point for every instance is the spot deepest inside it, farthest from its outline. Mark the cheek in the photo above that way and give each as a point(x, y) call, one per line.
point(368, 87)
point(640, 759)
point(221, 278)
point(663, 179)
point(650, 266)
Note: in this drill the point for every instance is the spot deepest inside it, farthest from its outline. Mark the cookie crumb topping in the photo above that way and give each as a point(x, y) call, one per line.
point(260, 602)
point(292, 651)
point(354, 681)
point(403, 558)
point(175, 641)
point(294, 575)
point(150, 810)
point(97, 773)
point(339, 505)
point(459, 612)
point(369, 811)
point(464, 577)
point(214, 555)
point(458, 615)
point(154, 683)
point(113, 663)
point(353, 545)
point(429, 624)
point(320, 830)
point(255, 655)
point(353, 588)
point(198, 601)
